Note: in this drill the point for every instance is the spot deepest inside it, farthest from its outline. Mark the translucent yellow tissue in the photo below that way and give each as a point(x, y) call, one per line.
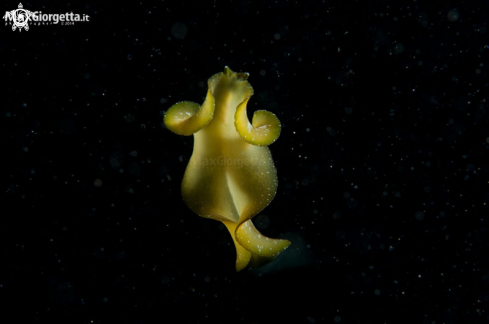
point(230, 176)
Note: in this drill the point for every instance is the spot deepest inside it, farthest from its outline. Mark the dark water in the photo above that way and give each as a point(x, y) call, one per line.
point(382, 163)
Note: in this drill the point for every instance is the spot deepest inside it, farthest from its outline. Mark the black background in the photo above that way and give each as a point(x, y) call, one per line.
point(382, 163)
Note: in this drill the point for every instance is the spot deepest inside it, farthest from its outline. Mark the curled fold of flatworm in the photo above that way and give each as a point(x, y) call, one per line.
point(253, 248)
point(187, 118)
point(264, 129)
